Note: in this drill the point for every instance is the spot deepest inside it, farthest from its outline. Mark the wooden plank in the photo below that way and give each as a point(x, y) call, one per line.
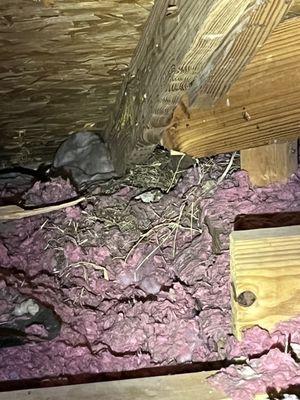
point(173, 387)
point(183, 41)
point(263, 105)
point(15, 212)
point(191, 386)
point(266, 264)
point(272, 163)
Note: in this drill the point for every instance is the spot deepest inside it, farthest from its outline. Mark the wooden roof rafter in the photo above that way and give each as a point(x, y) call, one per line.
point(185, 45)
point(261, 107)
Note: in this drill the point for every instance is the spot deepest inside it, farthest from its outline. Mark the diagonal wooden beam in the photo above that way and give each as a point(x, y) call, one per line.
point(294, 10)
point(261, 107)
point(184, 42)
point(225, 66)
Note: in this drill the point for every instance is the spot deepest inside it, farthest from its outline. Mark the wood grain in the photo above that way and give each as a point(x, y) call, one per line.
point(174, 387)
point(62, 64)
point(294, 11)
point(15, 212)
point(192, 386)
point(263, 105)
point(265, 262)
point(182, 44)
point(272, 163)
point(226, 66)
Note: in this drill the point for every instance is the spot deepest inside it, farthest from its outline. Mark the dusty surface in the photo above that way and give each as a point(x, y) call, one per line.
point(63, 65)
point(135, 284)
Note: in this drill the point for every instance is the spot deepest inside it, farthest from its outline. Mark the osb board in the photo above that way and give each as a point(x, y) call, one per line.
point(61, 66)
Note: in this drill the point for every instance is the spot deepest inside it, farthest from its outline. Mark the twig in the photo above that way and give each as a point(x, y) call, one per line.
point(16, 212)
point(152, 252)
point(83, 264)
point(144, 235)
point(176, 228)
point(175, 173)
point(222, 177)
point(192, 218)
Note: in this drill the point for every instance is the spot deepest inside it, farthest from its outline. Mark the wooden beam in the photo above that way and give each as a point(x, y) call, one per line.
point(265, 275)
point(173, 387)
point(190, 386)
point(294, 10)
point(263, 105)
point(184, 42)
point(15, 212)
point(272, 163)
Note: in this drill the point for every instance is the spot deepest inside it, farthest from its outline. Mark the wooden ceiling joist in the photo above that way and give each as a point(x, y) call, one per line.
point(185, 43)
point(188, 386)
point(262, 106)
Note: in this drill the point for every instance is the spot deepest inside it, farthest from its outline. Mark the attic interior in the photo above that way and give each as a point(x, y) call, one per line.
point(150, 199)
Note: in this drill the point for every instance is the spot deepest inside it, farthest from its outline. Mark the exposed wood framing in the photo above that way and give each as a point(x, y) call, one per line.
point(61, 66)
point(294, 11)
point(271, 163)
point(263, 104)
point(185, 42)
point(16, 212)
point(265, 263)
point(192, 386)
point(62, 63)
point(175, 387)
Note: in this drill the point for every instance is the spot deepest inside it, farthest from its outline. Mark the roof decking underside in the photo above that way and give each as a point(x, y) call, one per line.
point(61, 66)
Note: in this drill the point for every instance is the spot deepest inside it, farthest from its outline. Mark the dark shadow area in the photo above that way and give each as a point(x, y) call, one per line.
point(19, 179)
point(268, 220)
point(278, 346)
point(13, 172)
point(275, 395)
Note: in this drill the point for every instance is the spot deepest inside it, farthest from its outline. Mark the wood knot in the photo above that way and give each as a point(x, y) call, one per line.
point(246, 298)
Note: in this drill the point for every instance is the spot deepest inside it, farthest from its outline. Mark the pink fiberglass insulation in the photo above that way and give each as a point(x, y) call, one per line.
point(275, 370)
point(271, 367)
point(167, 296)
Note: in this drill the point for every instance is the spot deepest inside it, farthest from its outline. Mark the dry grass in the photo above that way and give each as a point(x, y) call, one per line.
point(174, 225)
point(84, 265)
point(165, 231)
